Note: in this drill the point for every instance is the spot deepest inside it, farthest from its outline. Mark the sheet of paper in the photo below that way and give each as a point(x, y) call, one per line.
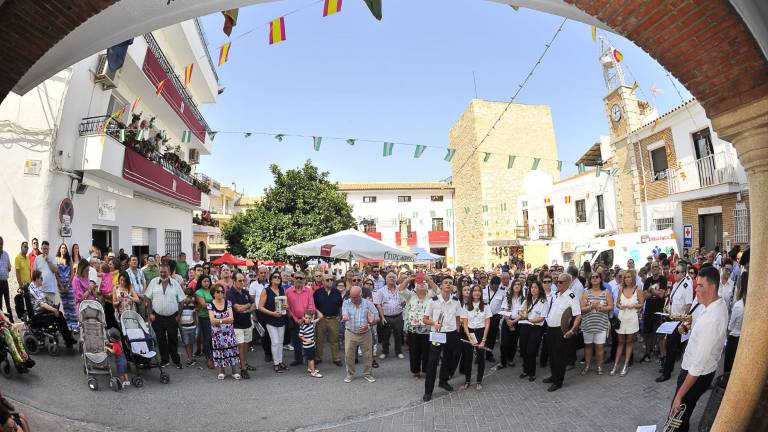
point(685, 337)
point(437, 337)
point(668, 327)
point(651, 428)
point(505, 313)
point(473, 338)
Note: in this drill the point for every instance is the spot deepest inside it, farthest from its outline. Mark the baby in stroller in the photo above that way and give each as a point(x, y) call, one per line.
point(11, 343)
point(46, 316)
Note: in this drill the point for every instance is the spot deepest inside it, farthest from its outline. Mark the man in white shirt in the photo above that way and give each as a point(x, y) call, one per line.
point(679, 301)
point(556, 337)
point(46, 264)
point(378, 280)
point(493, 296)
point(705, 346)
point(255, 289)
point(442, 315)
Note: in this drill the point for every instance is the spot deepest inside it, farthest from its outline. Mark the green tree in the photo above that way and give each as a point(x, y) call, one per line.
point(302, 205)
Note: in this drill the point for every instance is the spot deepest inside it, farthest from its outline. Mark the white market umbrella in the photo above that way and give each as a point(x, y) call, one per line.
point(349, 244)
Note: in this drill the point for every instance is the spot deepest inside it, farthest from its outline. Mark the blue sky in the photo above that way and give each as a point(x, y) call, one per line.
point(407, 78)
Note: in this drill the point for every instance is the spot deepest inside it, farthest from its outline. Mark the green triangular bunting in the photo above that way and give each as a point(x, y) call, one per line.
point(559, 165)
point(317, 141)
point(351, 141)
point(212, 134)
point(186, 136)
point(279, 137)
point(535, 165)
point(387, 150)
point(449, 155)
point(487, 157)
point(511, 161)
point(419, 151)
point(580, 167)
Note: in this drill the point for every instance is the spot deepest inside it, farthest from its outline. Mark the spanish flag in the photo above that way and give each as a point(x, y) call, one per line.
point(224, 53)
point(546, 200)
point(618, 55)
point(331, 7)
point(188, 74)
point(159, 88)
point(277, 30)
point(135, 104)
point(567, 199)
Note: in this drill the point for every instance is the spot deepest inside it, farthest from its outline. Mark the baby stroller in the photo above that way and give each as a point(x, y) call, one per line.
point(41, 329)
point(93, 337)
point(139, 346)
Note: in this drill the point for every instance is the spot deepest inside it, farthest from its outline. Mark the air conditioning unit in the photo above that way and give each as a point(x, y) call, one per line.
point(105, 76)
point(194, 156)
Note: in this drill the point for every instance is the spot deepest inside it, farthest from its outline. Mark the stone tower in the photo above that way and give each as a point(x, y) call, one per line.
point(486, 190)
point(625, 113)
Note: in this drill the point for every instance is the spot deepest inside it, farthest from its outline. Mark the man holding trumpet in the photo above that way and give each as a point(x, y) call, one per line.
point(705, 347)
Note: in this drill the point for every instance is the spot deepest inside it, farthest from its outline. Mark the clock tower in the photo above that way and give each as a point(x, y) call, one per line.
point(625, 113)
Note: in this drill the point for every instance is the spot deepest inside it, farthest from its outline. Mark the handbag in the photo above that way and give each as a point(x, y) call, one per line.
point(615, 323)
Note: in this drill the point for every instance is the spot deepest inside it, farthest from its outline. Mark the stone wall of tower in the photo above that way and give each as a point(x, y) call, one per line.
point(627, 182)
point(489, 190)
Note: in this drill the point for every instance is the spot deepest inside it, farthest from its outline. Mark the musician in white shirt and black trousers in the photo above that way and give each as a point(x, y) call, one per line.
point(705, 346)
point(442, 316)
point(475, 321)
point(679, 301)
point(493, 297)
point(556, 337)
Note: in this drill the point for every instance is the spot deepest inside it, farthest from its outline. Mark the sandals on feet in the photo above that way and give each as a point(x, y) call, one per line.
point(221, 376)
point(465, 386)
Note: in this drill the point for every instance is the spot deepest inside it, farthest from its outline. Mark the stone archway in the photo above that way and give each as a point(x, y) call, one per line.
point(704, 43)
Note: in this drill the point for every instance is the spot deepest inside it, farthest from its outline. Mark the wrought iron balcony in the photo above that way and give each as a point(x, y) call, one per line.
point(712, 170)
point(521, 232)
point(547, 231)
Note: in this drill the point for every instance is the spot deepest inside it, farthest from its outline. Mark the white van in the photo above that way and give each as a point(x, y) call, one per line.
point(618, 249)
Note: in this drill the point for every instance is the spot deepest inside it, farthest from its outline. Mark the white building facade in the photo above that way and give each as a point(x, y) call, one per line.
point(424, 212)
point(69, 174)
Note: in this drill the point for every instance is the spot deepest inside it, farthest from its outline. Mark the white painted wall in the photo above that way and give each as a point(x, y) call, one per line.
point(586, 186)
point(387, 208)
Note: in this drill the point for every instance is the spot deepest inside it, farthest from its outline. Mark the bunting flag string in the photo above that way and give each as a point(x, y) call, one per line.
point(511, 161)
point(487, 157)
point(449, 155)
point(277, 30)
point(535, 165)
point(419, 151)
point(224, 53)
point(212, 134)
point(387, 150)
point(135, 104)
point(159, 88)
point(188, 74)
point(331, 7)
point(317, 141)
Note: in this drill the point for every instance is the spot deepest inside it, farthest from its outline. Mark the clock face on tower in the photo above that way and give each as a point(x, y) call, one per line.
point(615, 113)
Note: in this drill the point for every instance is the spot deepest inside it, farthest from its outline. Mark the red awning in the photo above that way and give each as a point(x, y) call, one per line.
point(227, 258)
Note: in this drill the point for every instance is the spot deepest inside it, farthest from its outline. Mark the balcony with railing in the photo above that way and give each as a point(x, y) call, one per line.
point(116, 152)
point(521, 232)
point(547, 231)
point(713, 170)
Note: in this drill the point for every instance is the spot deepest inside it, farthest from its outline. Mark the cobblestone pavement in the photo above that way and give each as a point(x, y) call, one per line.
point(55, 397)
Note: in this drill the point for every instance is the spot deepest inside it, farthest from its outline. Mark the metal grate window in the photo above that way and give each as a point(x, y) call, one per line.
point(741, 223)
point(173, 243)
point(664, 223)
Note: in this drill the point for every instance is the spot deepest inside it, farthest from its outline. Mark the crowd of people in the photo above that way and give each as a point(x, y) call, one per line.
point(446, 322)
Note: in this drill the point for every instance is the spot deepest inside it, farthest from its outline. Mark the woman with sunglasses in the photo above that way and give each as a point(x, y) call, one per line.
point(204, 297)
point(275, 320)
point(596, 303)
point(223, 341)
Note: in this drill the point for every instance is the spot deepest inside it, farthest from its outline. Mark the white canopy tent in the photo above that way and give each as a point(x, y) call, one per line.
point(348, 245)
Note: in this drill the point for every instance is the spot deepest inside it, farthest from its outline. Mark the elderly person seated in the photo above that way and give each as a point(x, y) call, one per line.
point(359, 315)
point(44, 310)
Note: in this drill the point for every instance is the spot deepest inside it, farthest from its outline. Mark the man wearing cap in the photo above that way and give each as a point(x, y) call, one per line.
point(556, 336)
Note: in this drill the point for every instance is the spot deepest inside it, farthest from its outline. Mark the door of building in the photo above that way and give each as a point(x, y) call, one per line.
point(551, 221)
point(102, 239)
point(711, 231)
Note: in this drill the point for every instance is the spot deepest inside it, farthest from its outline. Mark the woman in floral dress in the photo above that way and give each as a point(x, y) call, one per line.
point(223, 342)
point(64, 267)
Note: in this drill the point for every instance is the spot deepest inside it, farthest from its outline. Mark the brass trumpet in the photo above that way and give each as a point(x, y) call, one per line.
point(675, 420)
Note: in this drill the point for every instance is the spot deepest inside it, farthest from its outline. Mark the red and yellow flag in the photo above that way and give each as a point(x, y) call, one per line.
point(617, 55)
point(567, 199)
point(224, 53)
point(135, 104)
point(331, 7)
point(188, 74)
point(159, 88)
point(634, 87)
point(277, 30)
